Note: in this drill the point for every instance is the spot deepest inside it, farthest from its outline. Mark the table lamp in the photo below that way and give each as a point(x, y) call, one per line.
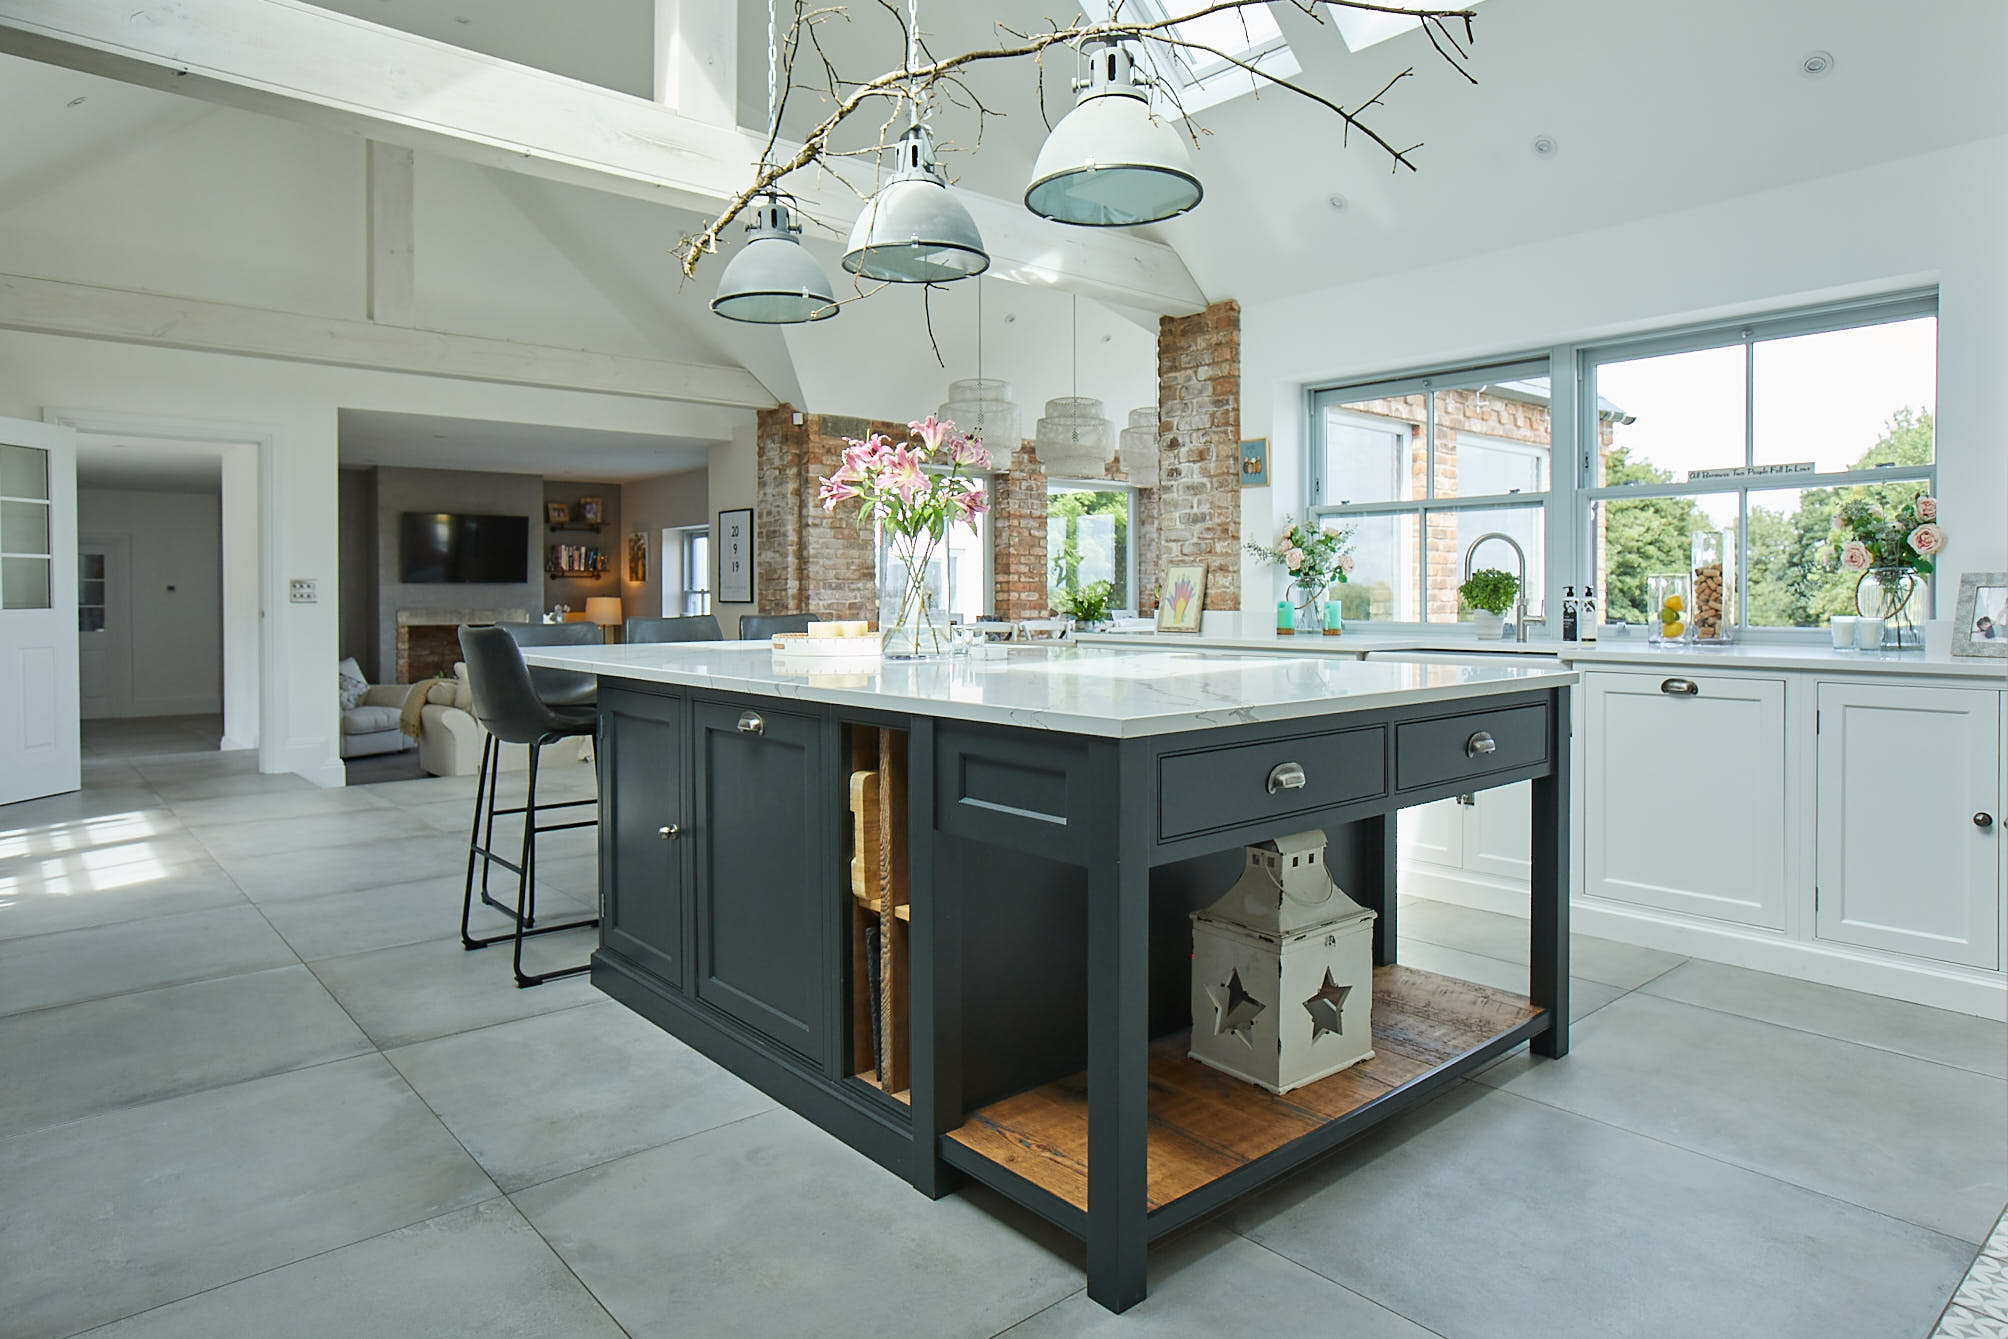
point(604, 610)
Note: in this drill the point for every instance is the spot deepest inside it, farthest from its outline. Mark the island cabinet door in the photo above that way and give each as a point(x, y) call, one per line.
point(642, 802)
point(1909, 820)
point(1684, 789)
point(765, 940)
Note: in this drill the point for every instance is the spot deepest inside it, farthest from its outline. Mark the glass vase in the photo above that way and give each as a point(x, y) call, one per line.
point(1308, 600)
point(1888, 593)
point(913, 596)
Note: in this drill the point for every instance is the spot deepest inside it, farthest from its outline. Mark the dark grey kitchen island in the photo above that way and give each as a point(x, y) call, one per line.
point(942, 908)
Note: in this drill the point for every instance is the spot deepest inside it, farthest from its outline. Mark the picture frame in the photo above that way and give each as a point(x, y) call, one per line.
point(1255, 462)
point(592, 510)
point(557, 513)
point(735, 556)
point(1980, 626)
point(637, 556)
point(1182, 598)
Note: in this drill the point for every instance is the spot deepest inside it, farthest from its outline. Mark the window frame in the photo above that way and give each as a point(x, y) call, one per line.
point(686, 538)
point(1198, 87)
point(1068, 485)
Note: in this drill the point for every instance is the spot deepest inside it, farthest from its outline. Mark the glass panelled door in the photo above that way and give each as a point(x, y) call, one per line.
point(39, 744)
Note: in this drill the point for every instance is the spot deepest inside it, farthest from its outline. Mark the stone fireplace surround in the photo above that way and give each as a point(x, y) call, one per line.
point(428, 640)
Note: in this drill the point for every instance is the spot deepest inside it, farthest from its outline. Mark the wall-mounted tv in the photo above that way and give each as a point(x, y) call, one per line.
point(446, 546)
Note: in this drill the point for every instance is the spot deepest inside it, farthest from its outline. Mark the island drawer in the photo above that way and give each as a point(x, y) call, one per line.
point(1471, 744)
point(1208, 789)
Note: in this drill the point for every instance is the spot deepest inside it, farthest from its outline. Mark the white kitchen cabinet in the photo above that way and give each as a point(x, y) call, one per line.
point(1498, 831)
point(1684, 778)
point(1909, 844)
point(1433, 833)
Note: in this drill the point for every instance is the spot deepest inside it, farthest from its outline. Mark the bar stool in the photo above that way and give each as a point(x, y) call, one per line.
point(695, 628)
point(509, 709)
point(762, 627)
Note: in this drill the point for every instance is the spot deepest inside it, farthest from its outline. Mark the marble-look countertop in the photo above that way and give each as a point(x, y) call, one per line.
point(1112, 692)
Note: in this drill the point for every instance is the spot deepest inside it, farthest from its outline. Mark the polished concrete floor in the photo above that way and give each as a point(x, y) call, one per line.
point(254, 1087)
point(146, 736)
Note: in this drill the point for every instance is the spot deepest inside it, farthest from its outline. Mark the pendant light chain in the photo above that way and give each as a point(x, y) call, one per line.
point(1075, 299)
point(979, 355)
point(912, 56)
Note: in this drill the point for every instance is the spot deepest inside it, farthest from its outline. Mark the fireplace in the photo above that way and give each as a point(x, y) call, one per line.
point(428, 640)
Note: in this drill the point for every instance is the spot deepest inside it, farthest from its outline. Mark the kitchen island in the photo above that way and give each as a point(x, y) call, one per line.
point(942, 909)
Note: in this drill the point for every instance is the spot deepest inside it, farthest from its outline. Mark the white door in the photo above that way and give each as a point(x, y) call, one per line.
point(1909, 821)
point(104, 653)
point(39, 741)
point(1684, 786)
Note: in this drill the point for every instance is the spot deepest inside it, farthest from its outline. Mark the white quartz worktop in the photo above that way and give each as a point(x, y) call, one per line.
point(1112, 692)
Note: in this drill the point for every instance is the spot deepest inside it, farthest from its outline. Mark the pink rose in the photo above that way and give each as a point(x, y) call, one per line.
point(1927, 509)
point(1927, 539)
point(1855, 556)
point(1284, 540)
point(1346, 563)
point(1294, 559)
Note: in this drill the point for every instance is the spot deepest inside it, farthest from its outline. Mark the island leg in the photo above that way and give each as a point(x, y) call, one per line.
point(934, 981)
point(1118, 1074)
point(1548, 958)
point(1378, 861)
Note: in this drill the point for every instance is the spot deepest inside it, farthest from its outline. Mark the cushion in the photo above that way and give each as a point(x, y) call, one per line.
point(368, 720)
point(441, 693)
point(353, 684)
point(463, 691)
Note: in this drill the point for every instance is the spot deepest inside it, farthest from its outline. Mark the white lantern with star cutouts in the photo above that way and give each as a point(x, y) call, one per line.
point(1282, 971)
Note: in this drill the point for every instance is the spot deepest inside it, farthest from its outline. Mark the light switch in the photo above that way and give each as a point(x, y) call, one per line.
point(305, 590)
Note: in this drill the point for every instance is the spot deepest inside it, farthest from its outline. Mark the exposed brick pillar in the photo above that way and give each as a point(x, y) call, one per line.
point(1198, 507)
point(781, 451)
point(1018, 535)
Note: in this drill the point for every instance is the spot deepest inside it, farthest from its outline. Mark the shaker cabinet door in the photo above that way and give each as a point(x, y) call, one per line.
point(646, 912)
point(1684, 786)
point(1909, 821)
point(764, 918)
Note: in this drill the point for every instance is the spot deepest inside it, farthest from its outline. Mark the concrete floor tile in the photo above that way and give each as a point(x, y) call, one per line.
point(335, 869)
point(535, 1099)
point(1211, 1282)
point(333, 925)
point(1800, 1107)
point(112, 1215)
point(230, 810)
point(1585, 997)
point(104, 1054)
point(124, 892)
point(1491, 1216)
point(420, 991)
point(175, 786)
point(678, 1240)
point(57, 819)
point(1979, 1044)
point(136, 955)
point(291, 836)
point(479, 1273)
point(1493, 935)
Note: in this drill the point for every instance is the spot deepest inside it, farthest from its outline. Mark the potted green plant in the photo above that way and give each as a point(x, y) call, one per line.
point(1489, 592)
point(1087, 605)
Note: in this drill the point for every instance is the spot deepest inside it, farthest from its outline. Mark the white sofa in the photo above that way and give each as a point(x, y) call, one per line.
point(370, 727)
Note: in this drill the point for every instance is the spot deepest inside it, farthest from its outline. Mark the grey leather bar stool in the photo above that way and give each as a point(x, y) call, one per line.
point(559, 688)
point(759, 627)
point(507, 704)
point(695, 628)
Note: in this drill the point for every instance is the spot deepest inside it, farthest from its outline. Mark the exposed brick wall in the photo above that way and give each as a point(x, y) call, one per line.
point(1198, 504)
point(1018, 535)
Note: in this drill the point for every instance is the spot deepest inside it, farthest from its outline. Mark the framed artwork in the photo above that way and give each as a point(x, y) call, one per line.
point(1255, 463)
point(1980, 628)
point(557, 513)
point(1182, 598)
point(735, 556)
point(592, 510)
point(637, 556)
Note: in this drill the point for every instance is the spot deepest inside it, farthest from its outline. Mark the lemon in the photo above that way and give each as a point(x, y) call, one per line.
point(1672, 630)
point(1674, 604)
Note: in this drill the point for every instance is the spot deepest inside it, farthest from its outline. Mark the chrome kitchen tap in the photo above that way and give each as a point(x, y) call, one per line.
point(1520, 619)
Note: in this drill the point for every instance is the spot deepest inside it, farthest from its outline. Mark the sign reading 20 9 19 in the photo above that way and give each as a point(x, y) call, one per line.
point(735, 556)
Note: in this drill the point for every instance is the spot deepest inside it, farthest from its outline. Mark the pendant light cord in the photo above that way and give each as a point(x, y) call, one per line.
point(773, 94)
point(1075, 298)
point(912, 57)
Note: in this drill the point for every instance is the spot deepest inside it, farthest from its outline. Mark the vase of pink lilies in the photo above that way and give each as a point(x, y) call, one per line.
point(914, 491)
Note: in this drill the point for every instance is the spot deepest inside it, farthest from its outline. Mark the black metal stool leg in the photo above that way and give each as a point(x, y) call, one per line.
point(474, 846)
point(526, 873)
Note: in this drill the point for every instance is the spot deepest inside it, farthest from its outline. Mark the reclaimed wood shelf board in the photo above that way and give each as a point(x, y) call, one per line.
point(1205, 1124)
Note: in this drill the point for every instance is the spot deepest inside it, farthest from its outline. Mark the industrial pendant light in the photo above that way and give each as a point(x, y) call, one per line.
point(774, 280)
point(913, 231)
point(1108, 164)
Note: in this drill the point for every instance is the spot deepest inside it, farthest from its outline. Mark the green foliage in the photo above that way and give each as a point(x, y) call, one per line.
point(1490, 589)
point(1070, 550)
point(1086, 604)
point(1321, 556)
point(1642, 536)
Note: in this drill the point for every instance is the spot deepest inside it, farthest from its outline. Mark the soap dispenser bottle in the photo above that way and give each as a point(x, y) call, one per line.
point(1569, 613)
point(1588, 622)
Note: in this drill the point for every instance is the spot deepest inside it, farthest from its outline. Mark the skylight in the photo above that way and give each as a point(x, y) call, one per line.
point(1247, 35)
point(1362, 28)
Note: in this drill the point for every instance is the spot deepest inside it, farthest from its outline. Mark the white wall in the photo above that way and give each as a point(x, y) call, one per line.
point(648, 505)
point(1939, 218)
point(173, 596)
point(731, 486)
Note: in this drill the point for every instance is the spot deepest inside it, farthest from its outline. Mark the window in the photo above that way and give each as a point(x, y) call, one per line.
point(1088, 539)
point(1201, 78)
point(694, 568)
point(969, 574)
point(1421, 469)
point(1746, 439)
point(24, 528)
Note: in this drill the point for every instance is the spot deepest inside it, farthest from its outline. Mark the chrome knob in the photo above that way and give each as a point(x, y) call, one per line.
point(1286, 776)
point(1680, 688)
point(1983, 821)
point(751, 723)
point(1479, 744)
point(668, 831)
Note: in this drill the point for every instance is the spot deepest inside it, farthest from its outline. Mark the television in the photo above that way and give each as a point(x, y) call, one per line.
point(444, 546)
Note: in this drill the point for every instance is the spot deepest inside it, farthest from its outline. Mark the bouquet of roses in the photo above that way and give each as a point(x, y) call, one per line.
point(1314, 556)
point(1867, 535)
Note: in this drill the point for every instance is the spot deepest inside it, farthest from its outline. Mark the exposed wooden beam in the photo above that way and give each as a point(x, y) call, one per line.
point(291, 59)
point(127, 316)
point(697, 59)
point(392, 279)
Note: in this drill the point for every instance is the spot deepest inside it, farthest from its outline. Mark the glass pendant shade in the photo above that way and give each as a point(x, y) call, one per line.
point(774, 280)
point(1138, 447)
point(1108, 164)
point(983, 408)
point(1073, 438)
point(913, 231)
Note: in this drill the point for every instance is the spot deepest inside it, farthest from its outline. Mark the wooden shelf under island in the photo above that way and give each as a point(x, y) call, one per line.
point(1206, 1126)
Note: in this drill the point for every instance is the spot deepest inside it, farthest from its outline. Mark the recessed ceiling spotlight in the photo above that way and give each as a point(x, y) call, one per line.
point(75, 102)
point(1545, 146)
point(1337, 202)
point(1817, 64)
point(1010, 318)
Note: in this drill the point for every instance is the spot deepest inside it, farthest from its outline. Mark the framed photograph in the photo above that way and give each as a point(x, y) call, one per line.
point(557, 513)
point(1182, 598)
point(1980, 628)
point(735, 556)
point(637, 556)
point(592, 510)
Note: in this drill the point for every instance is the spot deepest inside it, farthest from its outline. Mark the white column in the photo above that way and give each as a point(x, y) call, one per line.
point(697, 59)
